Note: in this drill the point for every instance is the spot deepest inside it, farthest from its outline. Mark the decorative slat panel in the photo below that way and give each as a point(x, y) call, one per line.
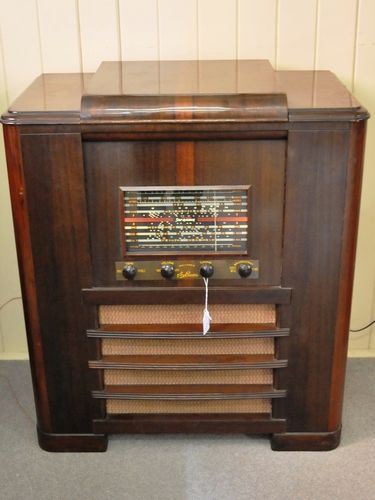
point(296, 34)
point(257, 29)
point(217, 24)
point(21, 49)
point(59, 36)
point(190, 331)
point(136, 18)
point(178, 29)
point(100, 37)
point(189, 392)
point(188, 362)
point(364, 84)
point(336, 31)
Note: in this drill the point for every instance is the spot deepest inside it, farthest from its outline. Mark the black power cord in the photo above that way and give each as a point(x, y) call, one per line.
point(364, 328)
point(8, 302)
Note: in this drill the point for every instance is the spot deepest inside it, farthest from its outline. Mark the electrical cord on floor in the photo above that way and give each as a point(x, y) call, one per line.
point(363, 328)
point(14, 395)
point(8, 301)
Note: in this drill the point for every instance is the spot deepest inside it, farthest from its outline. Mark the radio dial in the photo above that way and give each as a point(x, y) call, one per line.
point(167, 271)
point(207, 270)
point(244, 270)
point(129, 272)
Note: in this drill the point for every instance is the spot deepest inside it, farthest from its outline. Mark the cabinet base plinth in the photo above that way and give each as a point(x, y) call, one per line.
point(308, 441)
point(78, 443)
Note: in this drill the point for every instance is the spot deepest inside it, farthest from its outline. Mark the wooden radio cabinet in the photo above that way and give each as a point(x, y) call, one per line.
point(128, 188)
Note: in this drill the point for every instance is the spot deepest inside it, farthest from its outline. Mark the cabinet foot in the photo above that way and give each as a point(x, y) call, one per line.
point(308, 441)
point(72, 442)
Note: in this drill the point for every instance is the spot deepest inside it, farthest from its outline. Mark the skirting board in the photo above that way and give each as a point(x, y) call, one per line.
point(9, 356)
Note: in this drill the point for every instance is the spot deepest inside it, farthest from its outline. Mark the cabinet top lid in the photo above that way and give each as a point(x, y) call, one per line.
point(251, 85)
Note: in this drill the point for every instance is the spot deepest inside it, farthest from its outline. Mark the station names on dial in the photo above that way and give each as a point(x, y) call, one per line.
point(194, 220)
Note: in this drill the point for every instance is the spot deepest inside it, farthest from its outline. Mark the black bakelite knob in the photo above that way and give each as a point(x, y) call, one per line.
point(207, 270)
point(167, 271)
point(244, 270)
point(129, 272)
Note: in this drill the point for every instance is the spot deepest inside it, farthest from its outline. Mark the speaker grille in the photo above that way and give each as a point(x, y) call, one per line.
point(188, 346)
point(217, 406)
point(186, 313)
point(152, 377)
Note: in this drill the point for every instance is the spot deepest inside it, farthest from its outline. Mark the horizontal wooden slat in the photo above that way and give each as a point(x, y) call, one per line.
point(188, 362)
point(186, 331)
point(260, 423)
point(187, 295)
point(189, 392)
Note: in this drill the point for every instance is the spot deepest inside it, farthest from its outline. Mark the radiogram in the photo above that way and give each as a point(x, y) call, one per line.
point(150, 193)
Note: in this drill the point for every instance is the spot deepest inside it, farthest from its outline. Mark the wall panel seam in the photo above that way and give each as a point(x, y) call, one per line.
point(39, 36)
point(197, 21)
point(79, 35)
point(355, 46)
point(119, 41)
point(237, 8)
point(277, 34)
point(158, 29)
point(316, 44)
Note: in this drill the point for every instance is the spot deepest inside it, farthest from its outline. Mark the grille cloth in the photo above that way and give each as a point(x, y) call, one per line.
point(150, 377)
point(188, 346)
point(216, 406)
point(186, 313)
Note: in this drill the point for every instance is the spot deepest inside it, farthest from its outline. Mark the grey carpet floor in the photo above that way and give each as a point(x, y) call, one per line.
point(187, 467)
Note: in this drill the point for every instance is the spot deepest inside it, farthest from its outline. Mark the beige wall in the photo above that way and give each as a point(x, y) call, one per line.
point(76, 35)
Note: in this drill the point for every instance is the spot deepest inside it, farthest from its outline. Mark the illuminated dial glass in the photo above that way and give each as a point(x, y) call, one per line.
point(185, 220)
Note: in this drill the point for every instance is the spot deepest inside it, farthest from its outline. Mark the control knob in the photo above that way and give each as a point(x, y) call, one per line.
point(207, 270)
point(129, 272)
point(167, 271)
point(244, 270)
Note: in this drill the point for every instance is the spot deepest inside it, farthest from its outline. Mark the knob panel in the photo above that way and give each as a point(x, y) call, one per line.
point(187, 269)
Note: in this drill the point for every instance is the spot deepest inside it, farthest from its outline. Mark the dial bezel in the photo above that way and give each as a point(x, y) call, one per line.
point(244, 250)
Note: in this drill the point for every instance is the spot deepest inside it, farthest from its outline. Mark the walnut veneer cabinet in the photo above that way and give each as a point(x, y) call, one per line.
point(128, 187)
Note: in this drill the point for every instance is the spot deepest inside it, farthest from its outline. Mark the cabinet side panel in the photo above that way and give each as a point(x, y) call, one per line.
point(314, 222)
point(27, 273)
point(352, 206)
point(54, 179)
